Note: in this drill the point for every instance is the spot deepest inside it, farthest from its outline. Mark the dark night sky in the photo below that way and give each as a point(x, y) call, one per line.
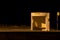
point(12, 13)
point(19, 13)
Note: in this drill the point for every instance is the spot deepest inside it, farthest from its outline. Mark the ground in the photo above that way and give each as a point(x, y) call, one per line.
point(20, 29)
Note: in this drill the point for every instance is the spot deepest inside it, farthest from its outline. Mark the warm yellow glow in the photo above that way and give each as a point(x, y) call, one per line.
point(36, 24)
point(43, 25)
point(57, 13)
point(47, 22)
point(38, 14)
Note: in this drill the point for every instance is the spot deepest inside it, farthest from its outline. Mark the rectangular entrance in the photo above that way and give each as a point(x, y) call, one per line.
point(40, 21)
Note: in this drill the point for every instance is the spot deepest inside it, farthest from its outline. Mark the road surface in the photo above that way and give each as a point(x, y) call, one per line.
point(21, 29)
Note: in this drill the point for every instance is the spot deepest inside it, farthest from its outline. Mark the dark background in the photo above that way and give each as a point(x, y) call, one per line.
point(18, 13)
point(29, 36)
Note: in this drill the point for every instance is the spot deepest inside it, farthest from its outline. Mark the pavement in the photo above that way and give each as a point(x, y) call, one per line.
point(21, 29)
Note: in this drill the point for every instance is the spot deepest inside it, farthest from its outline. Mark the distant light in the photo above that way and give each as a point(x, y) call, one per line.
point(57, 13)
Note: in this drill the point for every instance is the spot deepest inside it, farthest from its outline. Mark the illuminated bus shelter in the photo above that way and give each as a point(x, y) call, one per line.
point(40, 21)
